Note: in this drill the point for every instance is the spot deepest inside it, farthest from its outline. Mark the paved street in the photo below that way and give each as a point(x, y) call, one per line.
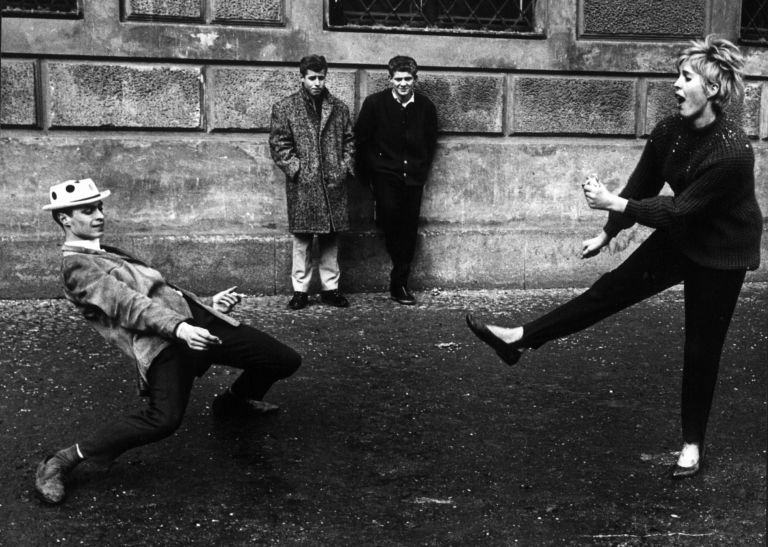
point(399, 429)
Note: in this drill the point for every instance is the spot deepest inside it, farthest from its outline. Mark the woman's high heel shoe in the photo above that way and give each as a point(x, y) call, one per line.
point(679, 472)
point(509, 353)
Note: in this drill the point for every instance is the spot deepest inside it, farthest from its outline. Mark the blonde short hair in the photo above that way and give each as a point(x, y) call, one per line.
point(719, 62)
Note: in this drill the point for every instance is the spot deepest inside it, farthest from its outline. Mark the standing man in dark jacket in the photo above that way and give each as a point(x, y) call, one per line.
point(311, 141)
point(396, 134)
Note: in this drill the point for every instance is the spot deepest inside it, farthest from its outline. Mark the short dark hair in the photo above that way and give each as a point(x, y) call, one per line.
point(402, 63)
point(55, 213)
point(315, 63)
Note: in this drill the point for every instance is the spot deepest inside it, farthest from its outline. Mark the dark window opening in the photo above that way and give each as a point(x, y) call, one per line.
point(434, 15)
point(41, 8)
point(754, 21)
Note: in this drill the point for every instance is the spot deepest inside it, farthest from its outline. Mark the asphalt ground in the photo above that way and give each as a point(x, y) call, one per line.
point(400, 428)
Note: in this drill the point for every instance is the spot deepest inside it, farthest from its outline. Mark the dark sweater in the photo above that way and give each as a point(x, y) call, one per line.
point(396, 141)
point(713, 216)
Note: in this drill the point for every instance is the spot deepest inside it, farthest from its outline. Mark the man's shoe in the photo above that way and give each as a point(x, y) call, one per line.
point(509, 353)
point(50, 474)
point(228, 406)
point(334, 298)
point(401, 295)
point(299, 300)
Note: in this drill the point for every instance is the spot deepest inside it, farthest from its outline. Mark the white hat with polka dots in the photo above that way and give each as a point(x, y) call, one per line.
point(72, 193)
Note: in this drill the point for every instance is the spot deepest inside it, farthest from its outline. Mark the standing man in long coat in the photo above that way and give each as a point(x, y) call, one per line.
point(311, 141)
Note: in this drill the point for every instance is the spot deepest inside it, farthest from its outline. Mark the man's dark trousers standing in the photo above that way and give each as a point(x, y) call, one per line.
point(397, 214)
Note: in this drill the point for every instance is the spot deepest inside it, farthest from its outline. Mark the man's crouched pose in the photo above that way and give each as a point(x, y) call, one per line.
point(171, 334)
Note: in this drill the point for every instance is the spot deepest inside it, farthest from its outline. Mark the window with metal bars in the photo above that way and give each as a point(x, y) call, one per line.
point(41, 8)
point(491, 16)
point(754, 21)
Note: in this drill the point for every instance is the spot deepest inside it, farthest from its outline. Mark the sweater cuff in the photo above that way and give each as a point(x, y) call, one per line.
point(618, 222)
point(632, 209)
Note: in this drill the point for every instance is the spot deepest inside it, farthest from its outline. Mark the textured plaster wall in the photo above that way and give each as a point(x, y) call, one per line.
point(135, 96)
point(467, 103)
point(644, 18)
point(168, 104)
point(248, 10)
point(164, 8)
point(18, 102)
point(242, 98)
point(240, 11)
point(574, 105)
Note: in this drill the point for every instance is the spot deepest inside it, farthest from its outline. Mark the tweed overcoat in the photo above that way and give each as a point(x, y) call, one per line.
point(316, 154)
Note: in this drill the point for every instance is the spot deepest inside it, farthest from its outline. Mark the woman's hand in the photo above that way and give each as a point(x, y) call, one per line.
point(197, 338)
point(599, 197)
point(226, 300)
point(592, 247)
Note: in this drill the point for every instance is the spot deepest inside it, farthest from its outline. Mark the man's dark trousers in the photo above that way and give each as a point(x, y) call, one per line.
point(263, 359)
point(397, 214)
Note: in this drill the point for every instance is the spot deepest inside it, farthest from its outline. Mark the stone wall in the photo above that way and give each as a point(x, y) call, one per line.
point(167, 104)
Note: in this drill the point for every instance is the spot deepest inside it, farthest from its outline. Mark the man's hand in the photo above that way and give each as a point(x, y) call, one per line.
point(226, 300)
point(591, 247)
point(197, 338)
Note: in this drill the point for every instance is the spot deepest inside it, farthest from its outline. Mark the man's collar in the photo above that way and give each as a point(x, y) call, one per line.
point(406, 103)
point(85, 245)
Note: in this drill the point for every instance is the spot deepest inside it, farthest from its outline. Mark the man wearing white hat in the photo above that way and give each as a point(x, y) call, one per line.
point(172, 335)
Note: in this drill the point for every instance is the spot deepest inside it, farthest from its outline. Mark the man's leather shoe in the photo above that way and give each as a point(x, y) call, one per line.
point(299, 300)
point(49, 477)
point(228, 406)
point(401, 295)
point(334, 298)
point(679, 472)
point(509, 353)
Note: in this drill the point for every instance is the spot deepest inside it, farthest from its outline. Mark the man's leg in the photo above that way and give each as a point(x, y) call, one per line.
point(328, 246)
point(655, 266)
point(387, 210)
point(710, 299)
point(301, 270)
point(170, 380)
point(397, 210)
point(408, 231)
point(263, 359)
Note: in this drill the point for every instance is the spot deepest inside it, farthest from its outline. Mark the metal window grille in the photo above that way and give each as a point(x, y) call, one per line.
point(40, 7)
point(469, 15)
point(754, 21)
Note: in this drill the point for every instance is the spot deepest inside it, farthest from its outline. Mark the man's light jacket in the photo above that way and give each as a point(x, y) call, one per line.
point(129, 303)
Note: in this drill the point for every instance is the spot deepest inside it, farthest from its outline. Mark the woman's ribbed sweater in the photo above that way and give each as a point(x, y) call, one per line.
point(713, 215)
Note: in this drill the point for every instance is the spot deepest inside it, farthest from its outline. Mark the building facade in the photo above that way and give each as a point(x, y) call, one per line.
point(167, 103)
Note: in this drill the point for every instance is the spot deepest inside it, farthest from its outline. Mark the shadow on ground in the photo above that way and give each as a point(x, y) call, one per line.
point(399, 429)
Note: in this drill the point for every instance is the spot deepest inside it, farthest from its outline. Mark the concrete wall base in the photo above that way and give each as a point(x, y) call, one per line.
point(449, 258)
